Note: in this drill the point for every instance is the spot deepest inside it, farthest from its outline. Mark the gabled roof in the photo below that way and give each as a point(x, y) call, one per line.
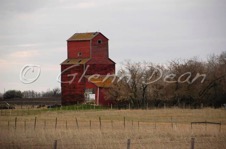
point(83, 36)
point(102, 81)
point(75, 61)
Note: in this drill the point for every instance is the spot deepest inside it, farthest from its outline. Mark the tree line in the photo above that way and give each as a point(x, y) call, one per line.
point(10, 94)
point(182, 82)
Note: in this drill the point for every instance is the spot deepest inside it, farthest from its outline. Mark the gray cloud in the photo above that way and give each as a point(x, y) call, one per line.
point(21, 6)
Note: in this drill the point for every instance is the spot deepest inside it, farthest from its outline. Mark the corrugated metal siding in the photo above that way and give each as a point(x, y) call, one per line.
point(93, 54)
point(83, 36)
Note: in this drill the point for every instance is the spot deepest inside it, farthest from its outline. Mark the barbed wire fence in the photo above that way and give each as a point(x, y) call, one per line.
point(99, 124)
point(37, 123)
point(128, 144)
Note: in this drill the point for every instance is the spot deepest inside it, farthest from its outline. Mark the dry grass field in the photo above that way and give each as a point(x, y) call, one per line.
point(110, 129)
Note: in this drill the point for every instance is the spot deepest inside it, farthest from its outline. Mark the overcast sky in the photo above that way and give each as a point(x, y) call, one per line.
point(35, 32)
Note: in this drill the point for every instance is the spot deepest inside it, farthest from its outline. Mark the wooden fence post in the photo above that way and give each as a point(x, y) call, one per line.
point(35, 123)
point(55, 144)
point(15, 122)
point(192, 143)
point(100, 121)
point(172, 121)
point(44, 124)
point(77, 124)
point(220, 127)
point(56, 123)
point(25, 125)
point(124, 122)
point(128, 144)
point(90, 124)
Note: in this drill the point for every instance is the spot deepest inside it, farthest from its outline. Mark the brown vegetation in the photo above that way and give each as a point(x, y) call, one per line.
point(157, 129)
point(190, 82)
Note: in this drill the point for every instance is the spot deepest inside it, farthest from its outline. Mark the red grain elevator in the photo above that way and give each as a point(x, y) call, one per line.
point(88, 71)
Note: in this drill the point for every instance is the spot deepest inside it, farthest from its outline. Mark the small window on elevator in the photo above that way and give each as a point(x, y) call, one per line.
point(79, 53)
point(99, 41)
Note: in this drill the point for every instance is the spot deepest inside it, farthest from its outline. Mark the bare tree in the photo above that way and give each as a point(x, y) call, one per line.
point(214, 91)
point(181, 82)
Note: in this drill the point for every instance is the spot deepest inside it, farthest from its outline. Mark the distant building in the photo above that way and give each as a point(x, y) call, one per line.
point(83, 73)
